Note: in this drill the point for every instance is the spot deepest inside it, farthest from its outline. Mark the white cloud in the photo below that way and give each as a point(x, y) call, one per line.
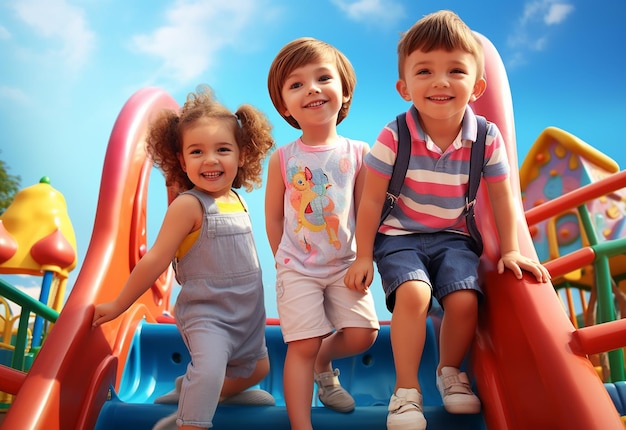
point(4, 33)
point(531, 33)
point(530, 11)
point(378, 11)
point(548, 11)
point(195, 32)
point(58, 20)
point(557, 13)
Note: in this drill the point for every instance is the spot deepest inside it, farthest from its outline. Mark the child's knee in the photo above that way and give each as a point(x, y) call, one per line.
point(360, 338)
point(463, 303)
point(304, 348)
point(414, 297)
point(262, 368)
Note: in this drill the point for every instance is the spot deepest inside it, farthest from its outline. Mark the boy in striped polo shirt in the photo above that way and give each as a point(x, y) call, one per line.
point(423, 249)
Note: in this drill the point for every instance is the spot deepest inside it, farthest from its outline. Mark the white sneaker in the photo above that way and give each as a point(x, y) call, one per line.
point(456, 393)
point(405, 410)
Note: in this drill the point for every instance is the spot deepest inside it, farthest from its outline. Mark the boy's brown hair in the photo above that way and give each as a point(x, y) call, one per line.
point(299, 53)
point(440, 30)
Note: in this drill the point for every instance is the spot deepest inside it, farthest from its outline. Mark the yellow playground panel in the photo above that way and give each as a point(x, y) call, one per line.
point(594, 291)
point(36, 239)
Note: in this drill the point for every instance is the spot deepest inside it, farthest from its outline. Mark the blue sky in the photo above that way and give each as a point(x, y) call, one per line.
point(68, 67)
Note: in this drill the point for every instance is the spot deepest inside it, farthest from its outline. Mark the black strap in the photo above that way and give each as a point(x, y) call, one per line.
point(400, 166)
point(477, 158)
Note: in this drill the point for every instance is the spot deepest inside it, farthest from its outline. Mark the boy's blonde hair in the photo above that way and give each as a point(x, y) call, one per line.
point(440, 30)
point(299, 53)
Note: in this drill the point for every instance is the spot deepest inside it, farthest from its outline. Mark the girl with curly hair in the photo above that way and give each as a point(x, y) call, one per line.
point(205, 151)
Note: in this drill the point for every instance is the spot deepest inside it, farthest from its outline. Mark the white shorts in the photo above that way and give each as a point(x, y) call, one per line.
point(311, 307)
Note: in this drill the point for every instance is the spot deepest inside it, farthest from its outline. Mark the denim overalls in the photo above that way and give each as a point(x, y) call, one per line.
point(220, 309)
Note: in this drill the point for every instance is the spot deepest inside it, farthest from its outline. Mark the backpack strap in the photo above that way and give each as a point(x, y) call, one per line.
point(400, 166)
point(477, 158)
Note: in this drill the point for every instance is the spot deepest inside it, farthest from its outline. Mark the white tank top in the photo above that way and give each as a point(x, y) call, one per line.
point(319, 215)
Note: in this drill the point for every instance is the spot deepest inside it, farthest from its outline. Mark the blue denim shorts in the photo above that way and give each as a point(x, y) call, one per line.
point(444, 260)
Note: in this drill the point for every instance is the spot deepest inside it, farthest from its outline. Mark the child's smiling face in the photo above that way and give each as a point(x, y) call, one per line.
point(440, 83)
point(313, 94)
point(210, 156)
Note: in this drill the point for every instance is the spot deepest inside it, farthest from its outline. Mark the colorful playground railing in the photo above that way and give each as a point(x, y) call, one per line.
point(596, 255)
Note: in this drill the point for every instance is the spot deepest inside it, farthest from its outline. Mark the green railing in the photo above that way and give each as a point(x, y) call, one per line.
point(29, 305)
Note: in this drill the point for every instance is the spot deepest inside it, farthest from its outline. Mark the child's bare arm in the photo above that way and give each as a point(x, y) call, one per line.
point(274, 203)
point(361, 272)
point(180, 219)
point(359, 186)
point(503, 205)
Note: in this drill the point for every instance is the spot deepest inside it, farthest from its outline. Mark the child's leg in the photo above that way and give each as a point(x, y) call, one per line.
point(353, 315)
point(203, 380)
point(458, 326)
point(408, 334)
point(234, 386)
point(408, 331)
point(298, 381)
point(346, 343)
point(191, 428)
point(460, 317)
point(231, 387)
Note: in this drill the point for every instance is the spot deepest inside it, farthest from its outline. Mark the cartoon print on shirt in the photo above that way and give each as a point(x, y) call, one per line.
point(314, 206)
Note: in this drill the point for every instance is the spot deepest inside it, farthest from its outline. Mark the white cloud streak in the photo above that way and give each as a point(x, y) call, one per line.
point(195, 33)
point(532, 31)
point(557, 13)
point(371, 11)
point(58, 20)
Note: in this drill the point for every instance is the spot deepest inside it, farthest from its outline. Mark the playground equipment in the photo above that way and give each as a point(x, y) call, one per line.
point(529, 362)
point(37, 239)
point(557, 165)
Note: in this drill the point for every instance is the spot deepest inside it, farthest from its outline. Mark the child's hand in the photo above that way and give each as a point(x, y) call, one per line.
point(105, 312)
point(516, 262)
point(360, 274)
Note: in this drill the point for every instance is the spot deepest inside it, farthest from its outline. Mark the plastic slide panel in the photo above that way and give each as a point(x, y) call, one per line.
point(158, 356)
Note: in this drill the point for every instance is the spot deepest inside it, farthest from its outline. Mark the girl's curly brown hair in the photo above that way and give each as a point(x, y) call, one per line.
point(251, 128)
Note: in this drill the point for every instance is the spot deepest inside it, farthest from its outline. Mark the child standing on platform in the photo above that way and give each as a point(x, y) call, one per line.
point(314, 186)
point(207, 151)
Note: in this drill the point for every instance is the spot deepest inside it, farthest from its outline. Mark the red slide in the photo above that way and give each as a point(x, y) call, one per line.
point(529, 361)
